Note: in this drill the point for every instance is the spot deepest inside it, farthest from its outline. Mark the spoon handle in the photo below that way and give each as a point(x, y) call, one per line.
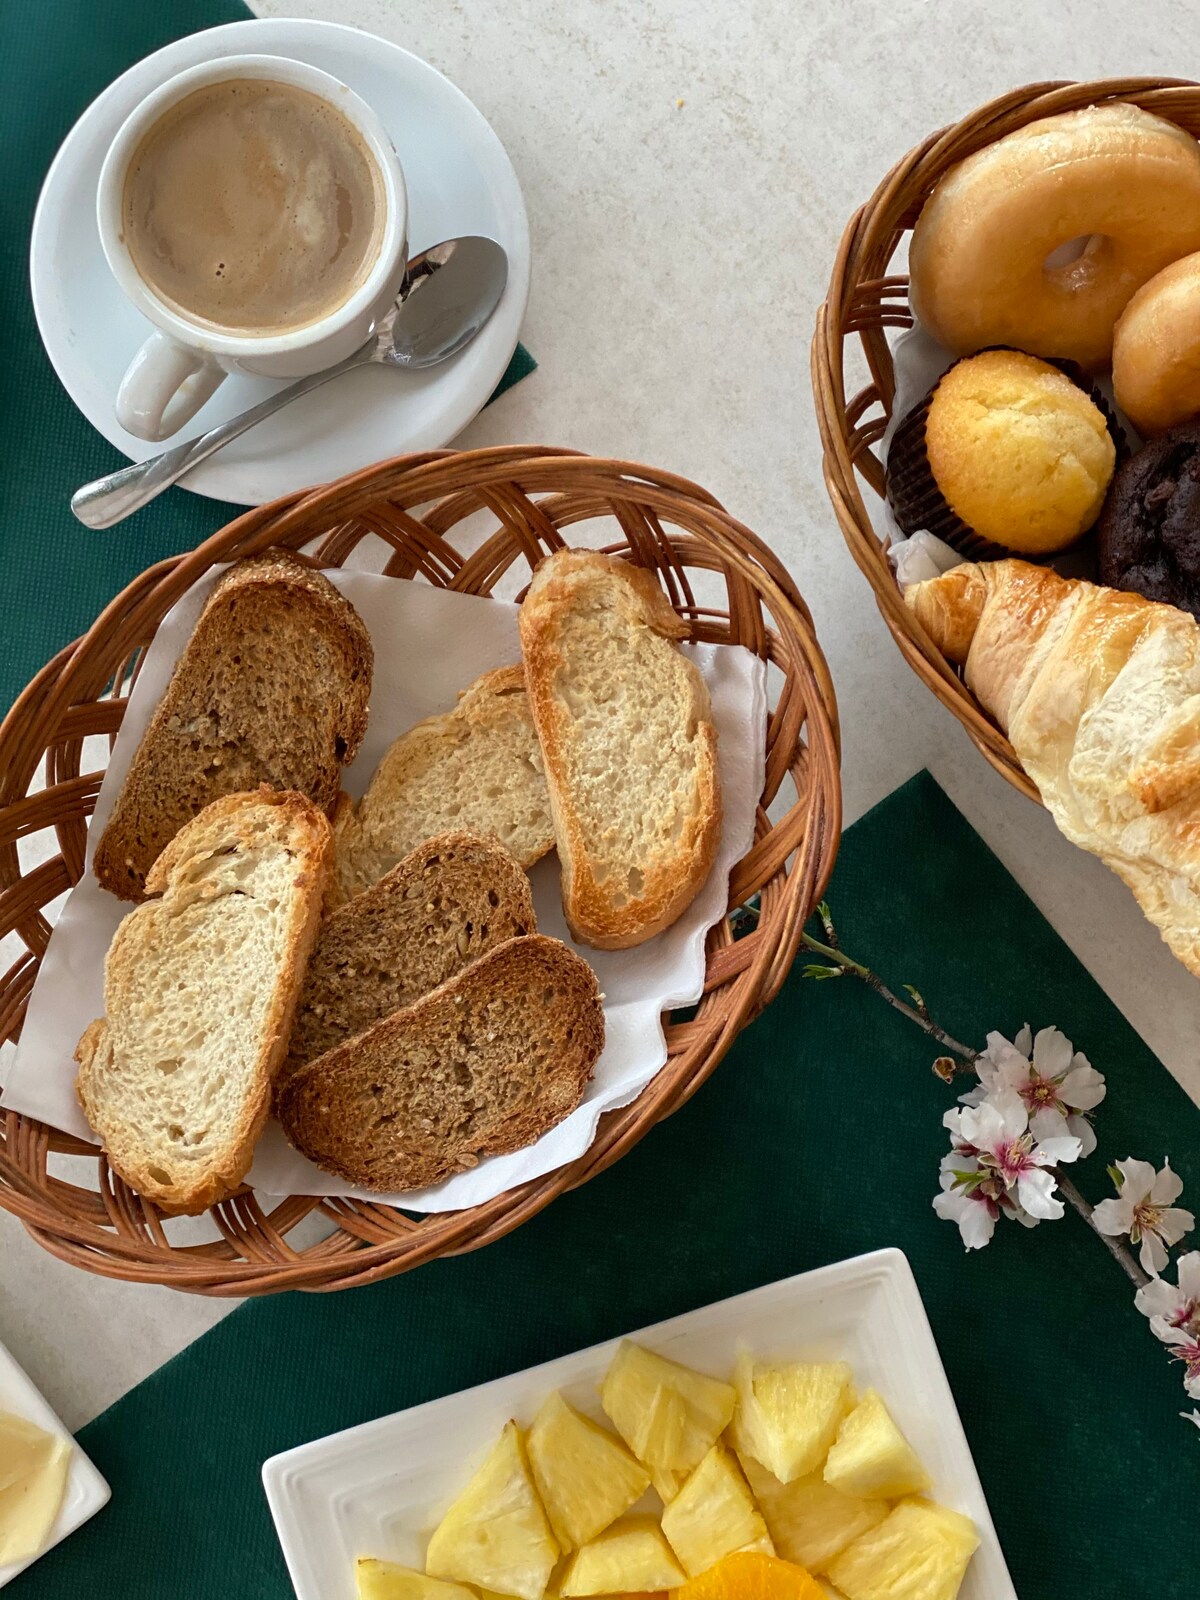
point(110, 500)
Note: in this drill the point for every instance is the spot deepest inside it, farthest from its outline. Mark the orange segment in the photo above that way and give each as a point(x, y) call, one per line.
point(748, 1575)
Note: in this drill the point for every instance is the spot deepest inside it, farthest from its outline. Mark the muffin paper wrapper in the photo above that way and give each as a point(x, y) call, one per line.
point(917, 502)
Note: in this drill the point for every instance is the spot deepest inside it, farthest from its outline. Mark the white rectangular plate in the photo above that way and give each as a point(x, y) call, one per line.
point(380, 1489)
point(86, 1490)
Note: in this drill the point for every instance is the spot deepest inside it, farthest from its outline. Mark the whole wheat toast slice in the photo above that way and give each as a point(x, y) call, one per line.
point(272, 687)
point(628, 744)
point(200, 988)
point(477, 767)
point(448, 903)
point(485, 1064)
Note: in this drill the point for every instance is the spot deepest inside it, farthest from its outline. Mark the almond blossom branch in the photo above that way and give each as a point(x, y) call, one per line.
point(1030, 1113)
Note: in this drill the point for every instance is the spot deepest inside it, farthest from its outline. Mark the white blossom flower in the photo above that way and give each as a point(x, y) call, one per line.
point(1059, 1086)
point(975, 1198)
point(1144, 1211)
point(1191, 1416)
point(1173, 1309)
point(1014, 1160)
point(965, 1199)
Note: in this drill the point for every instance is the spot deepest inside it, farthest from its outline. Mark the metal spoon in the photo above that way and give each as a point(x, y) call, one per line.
point(460, 283)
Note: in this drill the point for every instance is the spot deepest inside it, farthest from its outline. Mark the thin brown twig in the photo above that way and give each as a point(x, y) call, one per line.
point(1119, 1252)
point(965, 1057)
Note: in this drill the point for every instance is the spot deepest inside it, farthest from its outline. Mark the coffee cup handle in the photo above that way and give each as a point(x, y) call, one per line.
point(165, 386)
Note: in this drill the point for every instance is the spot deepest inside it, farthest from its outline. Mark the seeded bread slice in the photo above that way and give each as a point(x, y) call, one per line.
point(272, 687)
point(477, 767)
point(483, 1065)
point(449, 902)
point(628, 743)
point(200, 988)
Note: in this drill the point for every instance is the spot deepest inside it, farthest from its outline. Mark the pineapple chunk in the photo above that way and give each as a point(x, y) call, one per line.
point(870, 1456)
point(714, 1514)
point(552, 1589)
point(585, 1477)
point(787, 1416)
point(666, 1482)
point(496, 1534)
point(668, 1415)
point(631, 1557)
point(919, 1551)
point(384, 1580)
point(808, 1521)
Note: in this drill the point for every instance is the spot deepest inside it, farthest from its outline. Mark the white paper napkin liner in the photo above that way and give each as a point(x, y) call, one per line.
point(429, 643)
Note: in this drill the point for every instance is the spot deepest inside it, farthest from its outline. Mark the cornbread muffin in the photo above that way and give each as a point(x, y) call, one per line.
point(1022, 455)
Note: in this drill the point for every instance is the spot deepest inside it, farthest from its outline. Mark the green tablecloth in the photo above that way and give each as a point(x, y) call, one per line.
point(818, 1138)
point(55, 57)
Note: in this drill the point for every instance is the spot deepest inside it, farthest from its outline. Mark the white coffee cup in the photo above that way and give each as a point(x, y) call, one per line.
point(183, 362)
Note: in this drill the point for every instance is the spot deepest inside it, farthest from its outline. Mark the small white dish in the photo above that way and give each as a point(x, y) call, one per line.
point(459, 179)
point(86, 1490)
point(380, 1489)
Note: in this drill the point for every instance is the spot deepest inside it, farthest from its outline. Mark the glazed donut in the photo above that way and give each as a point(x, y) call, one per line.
point(1156, 349)
point(1123, 180)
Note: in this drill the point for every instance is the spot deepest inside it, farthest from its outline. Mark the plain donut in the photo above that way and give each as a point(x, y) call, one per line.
point(1156, 350)
point(1126, 181)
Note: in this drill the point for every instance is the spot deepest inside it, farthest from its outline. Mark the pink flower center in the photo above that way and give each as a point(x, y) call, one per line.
point(1147, 1218)
point(1010, 1158)
point(1189, 1354)
point(1039, 1093)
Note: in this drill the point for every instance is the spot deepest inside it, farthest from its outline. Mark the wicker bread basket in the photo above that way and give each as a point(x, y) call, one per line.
point(528, 501)
point(867, 298)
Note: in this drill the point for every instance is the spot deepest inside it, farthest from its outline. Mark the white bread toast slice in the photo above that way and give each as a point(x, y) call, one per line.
point(485, 1064)
point(477, 767)
point(628, 744)
point(272, 687)
point(449, 902)
point(200, 989)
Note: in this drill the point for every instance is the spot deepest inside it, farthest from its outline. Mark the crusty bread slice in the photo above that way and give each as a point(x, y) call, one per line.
point(476, 767)
point(485, 1064)
point(272, 687)
point(200, 988)
point(449, 902)
point(628, 743)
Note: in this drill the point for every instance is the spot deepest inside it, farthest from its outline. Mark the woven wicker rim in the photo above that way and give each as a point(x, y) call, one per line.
point(865, 301)
point(414, 504)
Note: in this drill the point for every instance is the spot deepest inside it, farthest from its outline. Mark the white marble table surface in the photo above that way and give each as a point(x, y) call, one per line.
point(680, 251)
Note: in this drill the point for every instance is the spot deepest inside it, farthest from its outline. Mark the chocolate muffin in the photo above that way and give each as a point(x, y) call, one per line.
point(1149, 533)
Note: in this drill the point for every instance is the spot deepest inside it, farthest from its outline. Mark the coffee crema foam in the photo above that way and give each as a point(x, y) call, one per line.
point(253, 206)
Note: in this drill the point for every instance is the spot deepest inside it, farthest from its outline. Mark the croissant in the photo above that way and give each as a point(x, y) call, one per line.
point(1099, 694)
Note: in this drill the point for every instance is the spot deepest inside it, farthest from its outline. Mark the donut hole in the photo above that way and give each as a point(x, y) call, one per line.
point(1077, 262)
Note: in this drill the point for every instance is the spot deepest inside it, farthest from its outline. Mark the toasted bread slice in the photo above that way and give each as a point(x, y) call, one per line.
point(272, 687)
point(477, 767)
point(485, 1064)
point(200, 988)
point(449, 902)
point(628, 744)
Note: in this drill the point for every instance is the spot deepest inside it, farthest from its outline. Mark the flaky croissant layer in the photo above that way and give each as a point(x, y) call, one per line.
point(1099, 694)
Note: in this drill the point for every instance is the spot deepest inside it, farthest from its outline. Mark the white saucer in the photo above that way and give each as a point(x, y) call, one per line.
point(460, 180)
point(86, 1491)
